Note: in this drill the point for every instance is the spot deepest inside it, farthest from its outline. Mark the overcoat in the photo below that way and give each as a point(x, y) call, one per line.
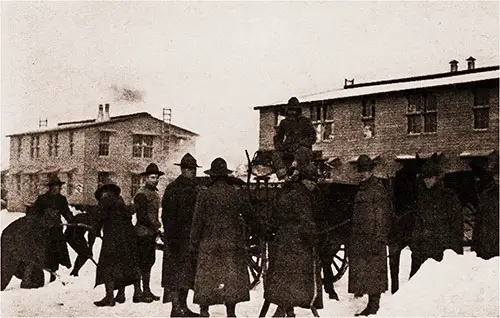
point(293, 276)
point(367, 248)
point(179, 264)
point(438, 223)
point(292, 134)
point(118, 260)
point(218, 234)
point(487, 222)
point(51, 207)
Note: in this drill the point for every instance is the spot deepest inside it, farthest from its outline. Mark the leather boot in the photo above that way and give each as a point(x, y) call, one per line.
point(230, 310)
point(290, 312)
point(120, 297)
point(333, 295)
point(137, 298)
point(280, 312)
point(372, 307)
point(204, 311)
point(183, 302)
point(109, 299)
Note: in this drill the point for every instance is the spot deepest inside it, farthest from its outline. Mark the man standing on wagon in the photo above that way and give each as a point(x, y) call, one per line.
point(370, 229)
point(179, 264)
point(294, 137)
point(147, 205)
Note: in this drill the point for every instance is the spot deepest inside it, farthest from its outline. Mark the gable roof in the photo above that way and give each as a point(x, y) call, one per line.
point(73, 125)
point(402, 84)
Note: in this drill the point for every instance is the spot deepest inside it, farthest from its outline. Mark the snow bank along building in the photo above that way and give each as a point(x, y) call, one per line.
point(85, 153)
point(452, 114)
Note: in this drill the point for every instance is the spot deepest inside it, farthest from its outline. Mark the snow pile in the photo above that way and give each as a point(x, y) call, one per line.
point(460, 285)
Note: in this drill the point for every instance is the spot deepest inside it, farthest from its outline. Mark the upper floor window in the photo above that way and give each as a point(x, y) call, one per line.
point(53, 145)
point(104, 137)
point(71, 143)
point(136, 184)
point(19, 146)
point(322, 119)
point(481, 96)
point(422, 113)
point(33, 184)
point(368, 117)
point(35, 147)
point(142, 146)
point(481, 108)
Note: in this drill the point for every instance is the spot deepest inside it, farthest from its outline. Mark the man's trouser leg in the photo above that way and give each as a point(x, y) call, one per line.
point(278, 164)
point(303, 157)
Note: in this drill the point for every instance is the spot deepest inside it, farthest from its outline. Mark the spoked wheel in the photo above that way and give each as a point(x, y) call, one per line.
point(254, 259)
point(339, 263)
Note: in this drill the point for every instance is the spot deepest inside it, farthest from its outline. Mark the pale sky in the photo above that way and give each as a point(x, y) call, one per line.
point(211, 62)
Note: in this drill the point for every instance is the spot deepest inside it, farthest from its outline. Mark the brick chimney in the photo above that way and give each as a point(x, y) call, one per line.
point(454, 66)
point(471, 63)
point(100, 114)
point(106, 112)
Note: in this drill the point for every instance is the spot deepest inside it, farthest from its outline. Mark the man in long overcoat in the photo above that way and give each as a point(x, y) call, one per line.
point(486, 227)
point(179, 264)
point(370, 227)
point(51, 205)
point(147, 206)
point(118, 260)
point(217, 234)
point(438, 219)
point(293, 277)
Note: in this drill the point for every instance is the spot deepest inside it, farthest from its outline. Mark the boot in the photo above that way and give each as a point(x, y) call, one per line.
point(120, 297)
point(204, 311)
point(280, 312)
point(230, 310)
point(137, 298)
point(290, 312)
point(147, 295)
point(333, 295)
point(372, 307)
point(183, 302)
point(106, 301)
point(109, 299)
point(166, 296)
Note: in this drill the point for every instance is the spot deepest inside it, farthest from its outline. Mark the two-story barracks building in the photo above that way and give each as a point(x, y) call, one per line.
point(86, 153)
point(453, 114)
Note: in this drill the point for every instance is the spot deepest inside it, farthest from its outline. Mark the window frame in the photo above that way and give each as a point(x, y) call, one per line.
point(321, 121)
point(19, 146)
point(102, 177)
point(71, 142)
point(104, 142)
point(422, 113)
point(142, 146)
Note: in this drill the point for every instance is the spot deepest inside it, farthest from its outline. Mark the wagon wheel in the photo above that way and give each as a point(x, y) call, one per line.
point(339, 263)
point(254, 259)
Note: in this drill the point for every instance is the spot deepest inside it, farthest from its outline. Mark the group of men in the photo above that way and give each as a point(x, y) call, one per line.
point(204, 231)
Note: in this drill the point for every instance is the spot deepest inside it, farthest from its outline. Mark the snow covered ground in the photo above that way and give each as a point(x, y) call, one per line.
point(459, 286)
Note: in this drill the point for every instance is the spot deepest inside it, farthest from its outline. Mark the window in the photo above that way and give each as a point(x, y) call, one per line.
point(422, 113)
point(18, 182)
point(69, 184)
point(481, 108)
point(102, 178)
point(481, 96)
point(19, 146)
point(53, 145)
point(71, 143)
point(142, 146)
point(368, 117)
point(136, 184)
point(322, 119)
point(104, 143)
point(35, 147)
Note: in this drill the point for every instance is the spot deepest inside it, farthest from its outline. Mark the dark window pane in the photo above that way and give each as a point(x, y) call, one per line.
point(415, 103)
point(431, 102)
point(414, 124)
point(481, 118)
point(430, 122)
point(148, 152)
point(481, 97)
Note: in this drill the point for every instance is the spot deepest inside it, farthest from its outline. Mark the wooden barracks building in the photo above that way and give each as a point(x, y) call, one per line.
point(453, 114)
point(85, 153)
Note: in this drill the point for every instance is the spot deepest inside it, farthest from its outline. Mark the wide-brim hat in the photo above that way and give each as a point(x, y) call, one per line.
point(218, 168)
point(293, 104)
point(152, 168)
point(108, 187)
point(54, 180)
point(188, 161)
point(365, 163)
